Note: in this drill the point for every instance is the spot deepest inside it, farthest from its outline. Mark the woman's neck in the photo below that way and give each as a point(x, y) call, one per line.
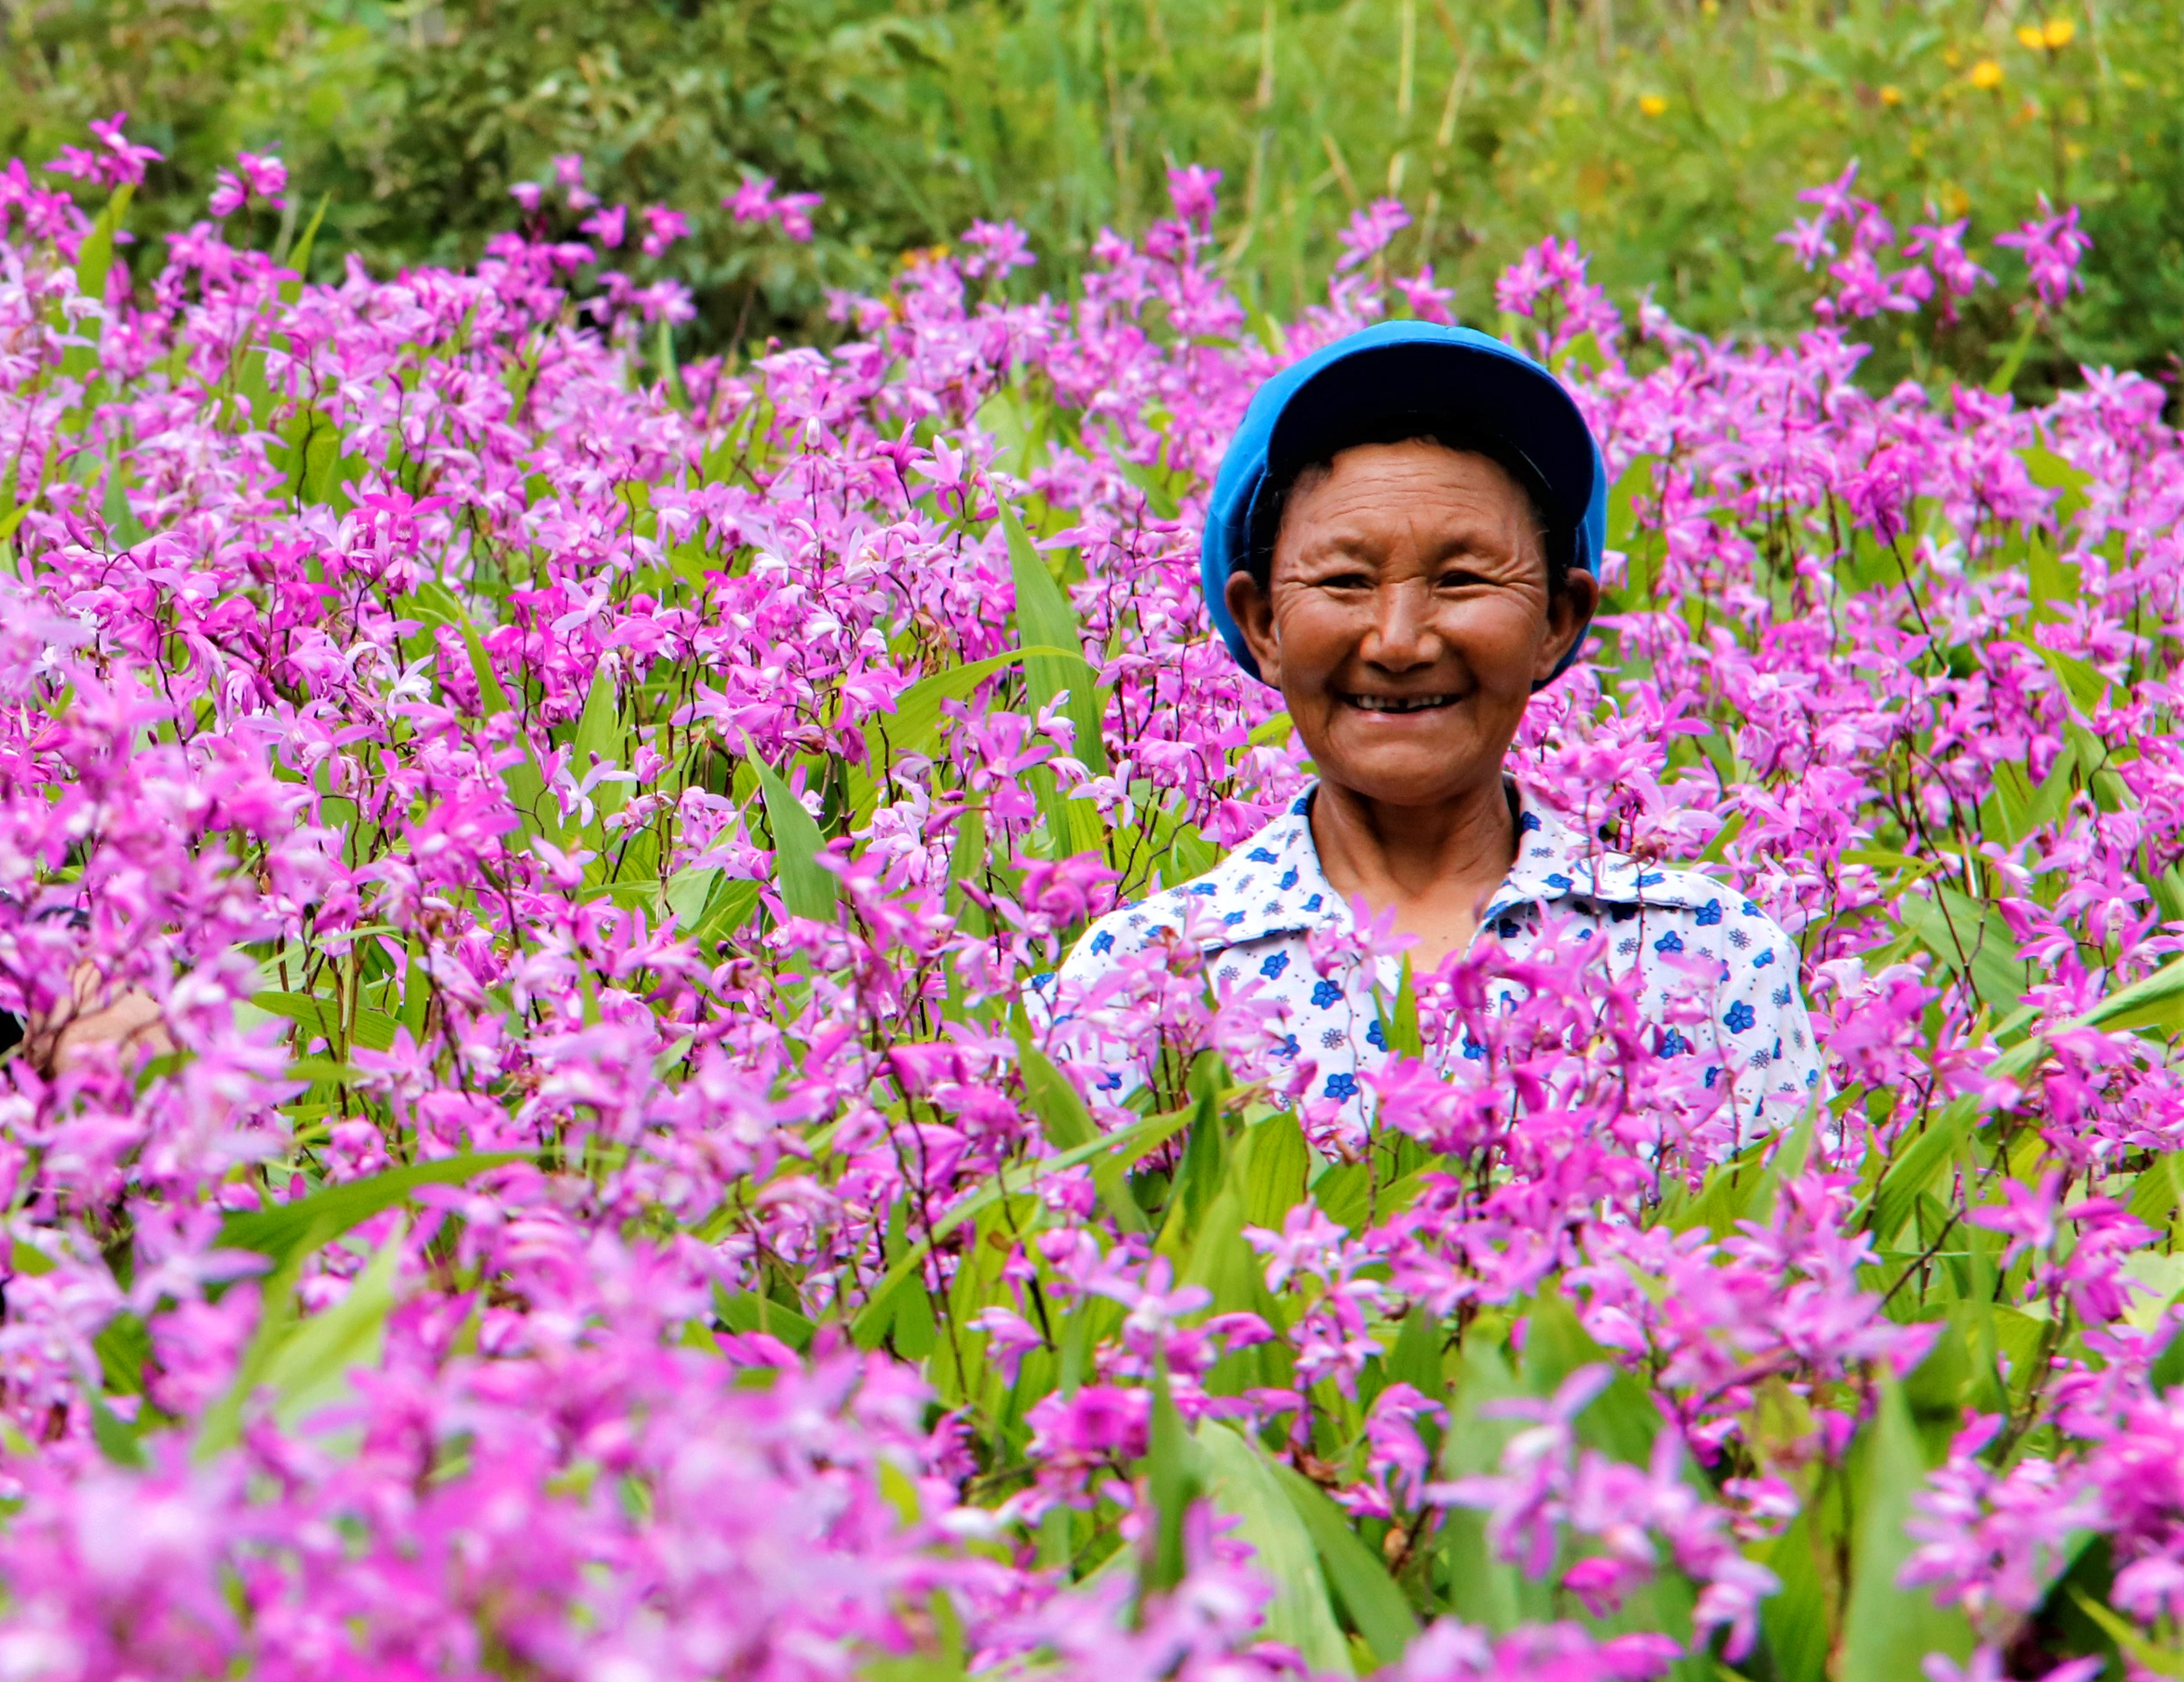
point(1435, 867)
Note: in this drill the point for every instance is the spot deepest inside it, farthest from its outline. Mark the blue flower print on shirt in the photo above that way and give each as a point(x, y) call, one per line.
point(1261, 910)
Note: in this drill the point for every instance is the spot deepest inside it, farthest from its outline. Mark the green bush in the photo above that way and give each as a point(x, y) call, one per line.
point(1669, 138)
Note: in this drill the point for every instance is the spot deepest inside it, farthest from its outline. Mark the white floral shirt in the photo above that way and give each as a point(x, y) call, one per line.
point(1252, 914)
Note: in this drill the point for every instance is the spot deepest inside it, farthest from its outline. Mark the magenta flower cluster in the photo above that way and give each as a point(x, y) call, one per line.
point(604, 1195)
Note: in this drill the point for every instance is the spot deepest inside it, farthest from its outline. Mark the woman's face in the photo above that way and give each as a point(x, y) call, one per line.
point(1407, 619)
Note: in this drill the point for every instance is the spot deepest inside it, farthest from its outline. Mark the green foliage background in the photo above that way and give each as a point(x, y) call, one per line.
point(1669, 136)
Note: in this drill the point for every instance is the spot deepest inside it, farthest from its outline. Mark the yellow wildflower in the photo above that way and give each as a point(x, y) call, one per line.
point(1987, 74)
point(2030, 35)
point(1891, 94)
point(2057, 33)
point(1652, 104)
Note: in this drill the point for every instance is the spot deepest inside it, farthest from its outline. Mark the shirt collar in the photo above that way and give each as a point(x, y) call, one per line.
point(1557, 859)
point(1274, 884)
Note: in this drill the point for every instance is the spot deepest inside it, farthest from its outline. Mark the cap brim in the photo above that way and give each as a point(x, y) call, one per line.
point(1510, 399)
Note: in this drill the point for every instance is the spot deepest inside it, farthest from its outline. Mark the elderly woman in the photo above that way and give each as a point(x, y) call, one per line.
point(1403, 540)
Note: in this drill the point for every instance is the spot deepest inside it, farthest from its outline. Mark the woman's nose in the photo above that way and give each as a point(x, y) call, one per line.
point(1403, 634)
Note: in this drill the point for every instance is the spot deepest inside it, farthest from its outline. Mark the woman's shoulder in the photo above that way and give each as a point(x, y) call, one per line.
point(1703, 913)
point(1557, 856)
point(1135, 924)
point(1264, 882)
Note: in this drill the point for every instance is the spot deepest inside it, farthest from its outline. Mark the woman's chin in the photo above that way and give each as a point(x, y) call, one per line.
point(1426, 771)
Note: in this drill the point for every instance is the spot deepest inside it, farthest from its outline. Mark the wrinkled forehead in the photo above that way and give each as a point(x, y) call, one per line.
point(1374, 495)
point(1427, 466)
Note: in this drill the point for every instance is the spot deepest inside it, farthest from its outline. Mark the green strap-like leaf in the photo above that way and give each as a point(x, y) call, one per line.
point(1126, 1147)
point(95, 261)
point(1172, 1480)
point(1400, 1027)
point(322, 1016)
point(1794, 1618)
point(1911, 1170)
point(1375, 1604)
point(688, 891)
point(1276, 1518)
point(2014, 358)
point(912, 724)
point(1068, 1126)
point(598, 738)
point(806, 891)
point(2157, 1000)
point(1045, 618)
point(298, 256)
point(280, 1232)
point(304, 1362)
point(749, 1312)
point(1888, 1630)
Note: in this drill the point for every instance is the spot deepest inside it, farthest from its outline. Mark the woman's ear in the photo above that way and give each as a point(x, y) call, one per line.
point(1253, 609)
point(1569, 610)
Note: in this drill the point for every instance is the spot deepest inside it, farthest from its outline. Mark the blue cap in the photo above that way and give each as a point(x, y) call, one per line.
point(1405, 367)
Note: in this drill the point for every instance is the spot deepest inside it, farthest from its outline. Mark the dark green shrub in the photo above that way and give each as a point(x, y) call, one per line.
point(1669, 137)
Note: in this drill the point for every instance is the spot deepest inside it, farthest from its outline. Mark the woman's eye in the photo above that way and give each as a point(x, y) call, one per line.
point(1346, 580)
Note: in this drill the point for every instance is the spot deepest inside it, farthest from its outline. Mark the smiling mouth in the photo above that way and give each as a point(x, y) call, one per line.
point(1400, 704)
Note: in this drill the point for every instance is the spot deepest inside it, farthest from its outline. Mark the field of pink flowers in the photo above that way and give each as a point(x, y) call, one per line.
point(605, 1201)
